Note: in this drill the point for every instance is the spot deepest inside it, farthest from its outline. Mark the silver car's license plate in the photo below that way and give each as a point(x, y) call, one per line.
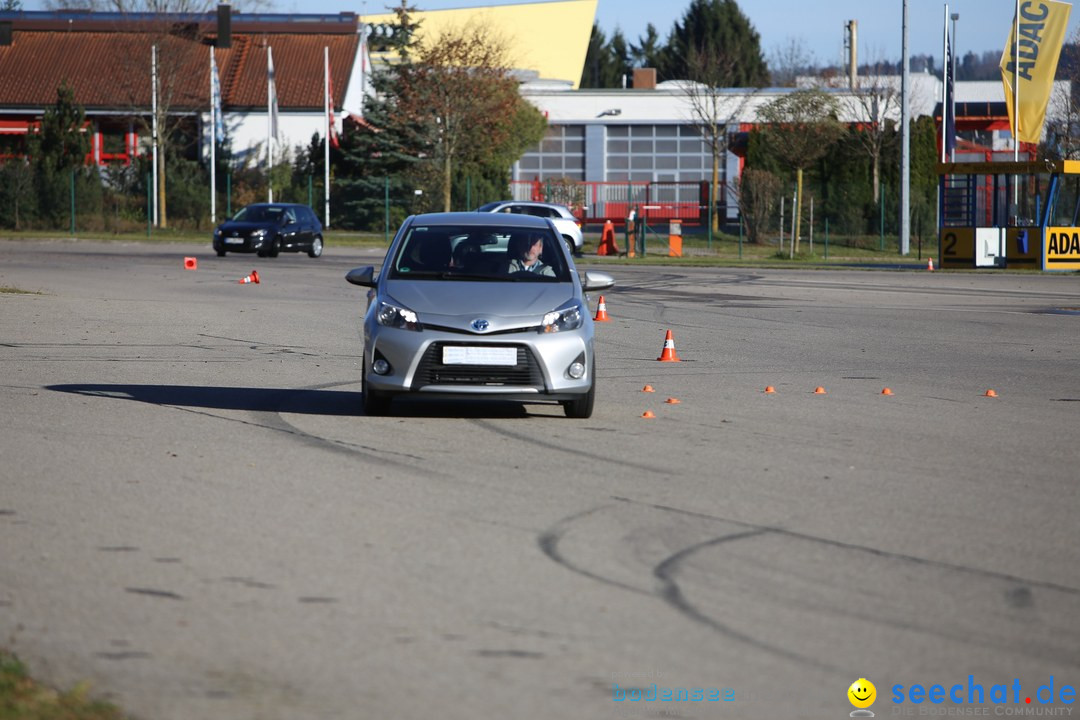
point(458, 355)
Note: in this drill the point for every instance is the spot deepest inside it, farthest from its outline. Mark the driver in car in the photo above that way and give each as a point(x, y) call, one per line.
point(525, 255)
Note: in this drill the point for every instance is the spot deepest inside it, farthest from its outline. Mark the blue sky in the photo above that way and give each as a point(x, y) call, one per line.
point(817, 26)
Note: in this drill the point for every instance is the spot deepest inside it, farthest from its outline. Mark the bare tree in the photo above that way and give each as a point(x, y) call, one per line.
point(801, 126)
point(756, 193)
point(790, 60)
point(876, 101)
point(461, 96)
point(712, 111)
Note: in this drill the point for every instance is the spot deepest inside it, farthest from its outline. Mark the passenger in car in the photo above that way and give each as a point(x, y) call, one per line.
point(524, 251)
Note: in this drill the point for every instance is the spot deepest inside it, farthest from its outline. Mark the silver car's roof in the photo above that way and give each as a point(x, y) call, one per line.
point(481, 219)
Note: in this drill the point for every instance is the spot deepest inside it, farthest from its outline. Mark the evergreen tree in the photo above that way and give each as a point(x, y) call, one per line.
point(719, 28)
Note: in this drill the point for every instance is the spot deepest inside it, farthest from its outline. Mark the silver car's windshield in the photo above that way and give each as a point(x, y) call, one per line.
point(492, 254)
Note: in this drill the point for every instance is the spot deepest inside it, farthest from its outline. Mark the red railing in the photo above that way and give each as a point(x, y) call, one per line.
point(598, 202)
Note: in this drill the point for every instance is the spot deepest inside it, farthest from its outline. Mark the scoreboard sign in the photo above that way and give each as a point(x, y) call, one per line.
point(1061, 248)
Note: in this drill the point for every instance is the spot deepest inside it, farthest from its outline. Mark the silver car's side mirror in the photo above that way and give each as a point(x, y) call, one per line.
point(596, 281)
point(364, 276)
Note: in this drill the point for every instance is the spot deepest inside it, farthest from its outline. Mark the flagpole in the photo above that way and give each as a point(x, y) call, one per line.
point(1016, 84)
point(945, 82)
point(327, 102)
point(269, 124)
point(154, 122)
point(1016, 105)
point(213, 144)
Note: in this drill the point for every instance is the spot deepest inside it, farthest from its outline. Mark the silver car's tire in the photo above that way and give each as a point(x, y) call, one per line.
point(316, 247)
point(375, 403)
point(570, 245)
point(581, 408)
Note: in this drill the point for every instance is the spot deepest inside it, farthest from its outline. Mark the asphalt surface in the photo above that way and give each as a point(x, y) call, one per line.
point(197, 518)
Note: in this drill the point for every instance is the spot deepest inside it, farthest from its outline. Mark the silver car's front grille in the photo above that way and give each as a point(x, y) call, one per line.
point(431, 371)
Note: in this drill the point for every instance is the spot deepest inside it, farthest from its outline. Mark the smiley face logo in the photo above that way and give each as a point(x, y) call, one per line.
point(862, 693)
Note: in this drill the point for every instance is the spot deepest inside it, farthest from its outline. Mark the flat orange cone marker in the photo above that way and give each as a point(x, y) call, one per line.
point(990, 393)
point(191, 263)
point(673, 401)
point(647, 388)
point(819, 390)
point(886, 391)
point(770, 390)
point(601, 311)
point(930, 264)
point(668, 354)
point(252, 278)
point(648, 414)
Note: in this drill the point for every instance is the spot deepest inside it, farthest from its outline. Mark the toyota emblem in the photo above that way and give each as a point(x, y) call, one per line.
point(480, 325)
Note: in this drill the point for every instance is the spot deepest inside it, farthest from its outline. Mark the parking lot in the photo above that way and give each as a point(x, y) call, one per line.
point(197, 518)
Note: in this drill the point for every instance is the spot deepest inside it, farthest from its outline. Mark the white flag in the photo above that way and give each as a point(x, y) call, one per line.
point(272, 100)
point(215, 99)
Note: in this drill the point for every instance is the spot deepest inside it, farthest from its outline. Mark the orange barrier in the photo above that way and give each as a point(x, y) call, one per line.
point(675, 239)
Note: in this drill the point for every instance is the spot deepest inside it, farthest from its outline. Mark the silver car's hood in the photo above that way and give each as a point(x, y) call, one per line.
point(457, 303)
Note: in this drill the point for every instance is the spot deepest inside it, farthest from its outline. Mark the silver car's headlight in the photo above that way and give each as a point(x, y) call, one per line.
point(567, 317)
point(395, 316)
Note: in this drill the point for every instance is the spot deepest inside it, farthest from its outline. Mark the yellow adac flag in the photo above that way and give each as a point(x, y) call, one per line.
point(1042, 33)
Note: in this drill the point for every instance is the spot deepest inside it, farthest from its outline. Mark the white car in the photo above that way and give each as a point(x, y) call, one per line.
point(560, 215)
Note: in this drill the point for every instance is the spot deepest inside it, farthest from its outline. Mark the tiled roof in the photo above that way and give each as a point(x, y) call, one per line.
point(111, 70)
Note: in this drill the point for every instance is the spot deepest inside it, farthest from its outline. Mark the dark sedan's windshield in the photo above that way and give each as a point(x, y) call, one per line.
point(443, 252)
point(260, 213)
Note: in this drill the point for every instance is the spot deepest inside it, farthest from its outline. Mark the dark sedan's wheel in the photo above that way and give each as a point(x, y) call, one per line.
point(220, 252)
point(375, 403)
point(582, 407)
point(316, 247)
point(275, 247)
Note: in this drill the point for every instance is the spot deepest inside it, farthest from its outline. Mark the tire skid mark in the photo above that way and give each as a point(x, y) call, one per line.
point(672, 594)
point(548, 447)
point(873, 551)
point(667, 571)
point(549, 545)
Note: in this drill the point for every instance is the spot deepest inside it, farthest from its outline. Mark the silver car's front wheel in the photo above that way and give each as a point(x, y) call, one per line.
point(375, 403)
point(582, 407)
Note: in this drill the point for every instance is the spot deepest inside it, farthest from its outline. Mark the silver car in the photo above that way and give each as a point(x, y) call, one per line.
point(564, 220)
point(453, 313)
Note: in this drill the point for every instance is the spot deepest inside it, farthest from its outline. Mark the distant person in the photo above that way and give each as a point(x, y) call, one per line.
point(525, 253)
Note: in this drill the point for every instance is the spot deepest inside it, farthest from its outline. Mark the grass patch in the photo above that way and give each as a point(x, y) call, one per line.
point(21, 698)
point(16, 291)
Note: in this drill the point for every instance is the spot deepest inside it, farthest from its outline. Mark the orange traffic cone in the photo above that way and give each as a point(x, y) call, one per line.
point(190, 263)
point(608, 246)
point(601, 312)
point(668, 354)
point(252, 278)
point(930, 264)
